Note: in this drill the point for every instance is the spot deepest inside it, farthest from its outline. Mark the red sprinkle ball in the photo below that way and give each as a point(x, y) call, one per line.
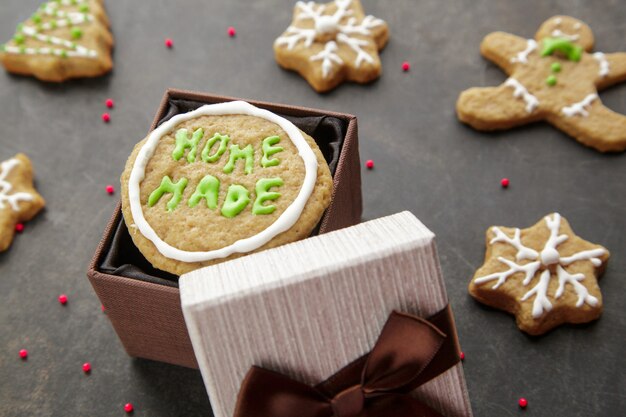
point(128, 407)
point(63, 299)
point(523, 402)
point(106, 117)
point(406, 66)
point(23, 353)
point(109, 103)
point(369, 164)
point(102, 308)
point(504, 182)
point(231, 31)
point(19, 227)
point(169, 43)
point(86, 367)
point(110, 189)
point(462, 356)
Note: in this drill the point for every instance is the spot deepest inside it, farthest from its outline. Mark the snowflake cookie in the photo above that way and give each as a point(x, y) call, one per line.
point(545, 275)
point(329, 43)
point(63, 39)
point(553, 77)
point(19, 201)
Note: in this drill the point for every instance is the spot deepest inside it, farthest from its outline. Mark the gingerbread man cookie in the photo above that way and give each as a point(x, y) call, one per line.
point(333, 42)
point(19, 201)
point(545, 275)
point(553, 77)
point(63, 39)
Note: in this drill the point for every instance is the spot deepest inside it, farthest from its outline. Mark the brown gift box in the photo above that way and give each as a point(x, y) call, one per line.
point(143, 303)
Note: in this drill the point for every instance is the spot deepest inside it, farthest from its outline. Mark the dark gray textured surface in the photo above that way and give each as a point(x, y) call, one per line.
point(445, 173)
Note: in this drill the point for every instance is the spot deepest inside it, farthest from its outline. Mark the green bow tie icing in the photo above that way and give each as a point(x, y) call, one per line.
point(572, 51)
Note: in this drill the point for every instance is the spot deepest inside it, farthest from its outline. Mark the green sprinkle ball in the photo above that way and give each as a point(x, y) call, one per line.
point(19, 38)
point(83, 8)
point(36, 18)
point(76, 33)
point(551, 81)
point(556, 67)
point(63, 53)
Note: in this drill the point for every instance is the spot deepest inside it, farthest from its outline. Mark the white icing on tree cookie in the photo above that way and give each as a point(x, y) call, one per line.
point(61, 18)
point(331, 29)
point(13, 199)
point(549, 259)
point(520, 91)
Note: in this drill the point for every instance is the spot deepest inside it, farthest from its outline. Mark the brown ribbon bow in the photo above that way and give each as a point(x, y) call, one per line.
point(409, 352)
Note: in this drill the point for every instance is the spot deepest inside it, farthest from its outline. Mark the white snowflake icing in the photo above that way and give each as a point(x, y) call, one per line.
point(338, 27)
point(13, 199)
point(543, 261)
point(328, 56)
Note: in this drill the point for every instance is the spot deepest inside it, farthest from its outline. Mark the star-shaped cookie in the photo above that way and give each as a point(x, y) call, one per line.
point(545, 275)
point(63, 39)
point(553, 77)
point(19, 201)
point(332, 42)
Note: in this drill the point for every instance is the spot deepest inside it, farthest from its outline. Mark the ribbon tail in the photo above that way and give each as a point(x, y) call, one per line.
point(265, 393)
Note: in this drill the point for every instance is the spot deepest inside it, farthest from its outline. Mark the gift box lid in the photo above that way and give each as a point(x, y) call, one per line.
point(309, 308)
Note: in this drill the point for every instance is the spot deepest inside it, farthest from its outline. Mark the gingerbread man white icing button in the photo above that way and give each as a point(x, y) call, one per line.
point(19, 201)
point(545, 275)
point(332, 42)
point(552, 78)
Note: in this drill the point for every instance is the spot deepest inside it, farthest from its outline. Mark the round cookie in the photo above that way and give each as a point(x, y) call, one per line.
point(222, 181)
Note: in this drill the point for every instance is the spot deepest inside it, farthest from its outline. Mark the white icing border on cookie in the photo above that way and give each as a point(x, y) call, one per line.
point(286, 220)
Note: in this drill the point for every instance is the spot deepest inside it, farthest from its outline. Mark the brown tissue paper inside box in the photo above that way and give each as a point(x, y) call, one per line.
point(143, 303)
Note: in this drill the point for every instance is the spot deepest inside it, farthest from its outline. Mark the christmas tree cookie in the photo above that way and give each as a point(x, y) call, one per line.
point(19, 201)
point(63, 39)
point(545, 275)
point(553, 77)
point(221, 181)
point(333, 42)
